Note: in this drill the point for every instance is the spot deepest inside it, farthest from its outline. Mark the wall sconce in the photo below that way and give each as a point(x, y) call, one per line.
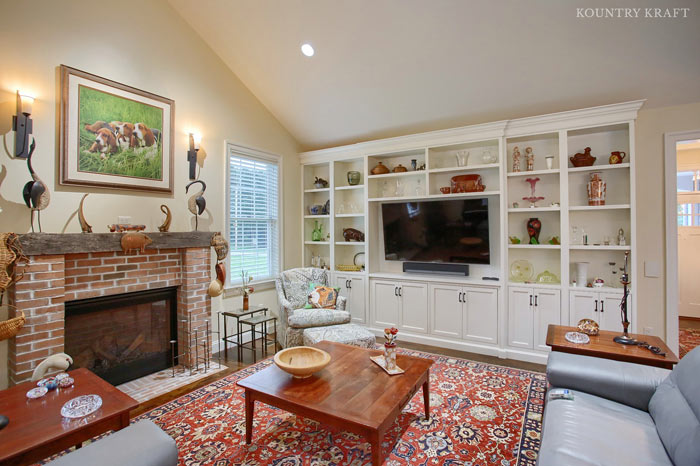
point(195, 140)
point(22, 125)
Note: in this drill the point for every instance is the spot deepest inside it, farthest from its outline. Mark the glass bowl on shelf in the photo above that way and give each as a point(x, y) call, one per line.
point(521, 271)
point(547, 277)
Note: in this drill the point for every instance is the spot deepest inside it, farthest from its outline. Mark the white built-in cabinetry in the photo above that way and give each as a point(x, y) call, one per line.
point(504, 317)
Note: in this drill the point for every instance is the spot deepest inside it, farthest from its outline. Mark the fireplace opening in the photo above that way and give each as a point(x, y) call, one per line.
point(122, 337)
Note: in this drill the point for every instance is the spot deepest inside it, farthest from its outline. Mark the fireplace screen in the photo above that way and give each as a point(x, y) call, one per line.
point(122, 337)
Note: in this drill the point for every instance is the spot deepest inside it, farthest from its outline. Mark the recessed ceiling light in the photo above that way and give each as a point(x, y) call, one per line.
point(307, 50)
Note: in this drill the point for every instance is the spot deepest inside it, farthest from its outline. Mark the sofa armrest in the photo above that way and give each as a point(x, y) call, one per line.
point(627, 383)
point(341, 303)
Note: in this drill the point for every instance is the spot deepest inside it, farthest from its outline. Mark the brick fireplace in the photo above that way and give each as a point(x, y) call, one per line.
point(70, 267)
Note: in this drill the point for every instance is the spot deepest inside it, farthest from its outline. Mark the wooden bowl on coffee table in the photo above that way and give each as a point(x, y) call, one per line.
point(302, 361)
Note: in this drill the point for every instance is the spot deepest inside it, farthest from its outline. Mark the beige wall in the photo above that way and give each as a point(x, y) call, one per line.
point(651, 239)
point(144, 44)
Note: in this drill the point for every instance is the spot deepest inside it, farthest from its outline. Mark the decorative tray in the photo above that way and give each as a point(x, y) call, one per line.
point(81, 406)
point(577, 338)
point(379, 360)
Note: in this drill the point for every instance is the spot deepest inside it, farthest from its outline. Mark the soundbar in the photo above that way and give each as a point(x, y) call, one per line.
point(436, 267)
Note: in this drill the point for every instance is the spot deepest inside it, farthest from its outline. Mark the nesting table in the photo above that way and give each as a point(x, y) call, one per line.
point(247, 317)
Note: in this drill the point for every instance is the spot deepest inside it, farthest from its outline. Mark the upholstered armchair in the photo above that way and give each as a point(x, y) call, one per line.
point(292, 292)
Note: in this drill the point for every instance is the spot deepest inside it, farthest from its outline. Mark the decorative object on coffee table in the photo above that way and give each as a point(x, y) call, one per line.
point(37, 392)
point(165, 226)
point(577, 338)
point(533, 199)
point(596, 189)
point(530, 159)
point(84, 225)
point(354, 177)
point(135, 242)
point(516, 159)
point(302, 361)
point(534, 226)
point(352, 234)
point(81, 406)
point(196, 203)
point(379, 169)
point(60, 361)
point(625, 338)
point(588, 326)
point(389, 356)
point(583, 159)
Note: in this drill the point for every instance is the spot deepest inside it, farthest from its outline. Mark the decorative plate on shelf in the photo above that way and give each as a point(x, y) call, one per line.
point(81, 406)
point(521, 271)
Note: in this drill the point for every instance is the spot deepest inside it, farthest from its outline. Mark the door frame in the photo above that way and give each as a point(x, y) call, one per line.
point(671, 205)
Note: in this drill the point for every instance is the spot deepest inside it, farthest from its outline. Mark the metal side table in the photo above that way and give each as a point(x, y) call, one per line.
point(253, 322)
point(237, 314)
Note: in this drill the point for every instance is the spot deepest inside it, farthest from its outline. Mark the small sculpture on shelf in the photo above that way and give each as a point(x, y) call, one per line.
point(317, 232)
point(584, 159)
point(135, 242)
point(84, 225)
point(196, 203)
point(621, 241)
point(617, 157)
point(516, 159)
point(514, 240)
point(554, 240)
point(533, 199)
point(36, 194)
point(534, 226)
point(320, 183)
point(165, 226)
point(352, 234)
point(530, 158)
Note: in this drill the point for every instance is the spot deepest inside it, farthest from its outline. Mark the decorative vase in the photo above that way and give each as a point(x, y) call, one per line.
point(549, 160)
point(390, 356)
point(462, 158)
point(596, 190)
point(534, 226)
point(354, 178)
point(380, 169)
point(581, 274)
point(245, 301)
point(317, 232)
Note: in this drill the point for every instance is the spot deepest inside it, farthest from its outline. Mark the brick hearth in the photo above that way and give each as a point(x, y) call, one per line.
point(52, 279)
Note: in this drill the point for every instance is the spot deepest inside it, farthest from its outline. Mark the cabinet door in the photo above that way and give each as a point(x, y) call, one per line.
point(357, 294)
point(414, 306)
point(547, 311)
point(341, 281)
point(481, 315)
point(520, 319)
point(582, 305)
point(609, 311)
point(385, 303)
point(446, 310)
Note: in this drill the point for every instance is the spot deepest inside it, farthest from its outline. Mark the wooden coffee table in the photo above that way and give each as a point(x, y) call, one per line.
point(352, 393)
point(603, 346)
point(37, 429)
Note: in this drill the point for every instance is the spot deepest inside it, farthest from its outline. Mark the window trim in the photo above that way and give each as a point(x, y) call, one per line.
point(254, 153)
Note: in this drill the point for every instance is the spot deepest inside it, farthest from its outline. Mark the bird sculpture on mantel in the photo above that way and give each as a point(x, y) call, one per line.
point(36, 194)
point(196, 203)
point(58, 361)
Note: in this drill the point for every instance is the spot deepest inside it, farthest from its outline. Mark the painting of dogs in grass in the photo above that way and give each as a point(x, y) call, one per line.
point(114, 135)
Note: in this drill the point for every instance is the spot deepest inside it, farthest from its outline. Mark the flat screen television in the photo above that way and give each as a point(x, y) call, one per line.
point(453, 231)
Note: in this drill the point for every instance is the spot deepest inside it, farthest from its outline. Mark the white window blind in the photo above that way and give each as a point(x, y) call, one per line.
point(253, 217)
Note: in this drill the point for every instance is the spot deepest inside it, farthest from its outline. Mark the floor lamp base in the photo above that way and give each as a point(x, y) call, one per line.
point(625, 340)
point(4, 420)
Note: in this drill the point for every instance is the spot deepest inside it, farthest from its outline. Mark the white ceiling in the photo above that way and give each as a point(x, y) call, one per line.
point(391, 67)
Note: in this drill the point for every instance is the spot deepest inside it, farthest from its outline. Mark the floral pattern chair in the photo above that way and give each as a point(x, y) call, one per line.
point(292, 292)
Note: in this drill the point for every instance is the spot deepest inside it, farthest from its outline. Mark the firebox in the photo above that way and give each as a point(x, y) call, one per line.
point(122, 337)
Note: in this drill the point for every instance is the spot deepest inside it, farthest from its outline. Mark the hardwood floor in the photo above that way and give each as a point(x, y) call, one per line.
point(233, 365)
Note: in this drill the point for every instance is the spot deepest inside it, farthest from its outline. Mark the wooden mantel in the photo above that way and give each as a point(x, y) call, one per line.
point(35, 244)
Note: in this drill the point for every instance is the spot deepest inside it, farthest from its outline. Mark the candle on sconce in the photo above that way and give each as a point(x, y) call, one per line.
point(26, 102)
point(197, 140)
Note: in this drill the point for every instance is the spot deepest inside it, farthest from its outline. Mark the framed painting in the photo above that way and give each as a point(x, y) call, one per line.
point(113, 135)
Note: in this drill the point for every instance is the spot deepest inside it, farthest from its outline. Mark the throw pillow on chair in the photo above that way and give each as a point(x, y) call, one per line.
point(322, 297)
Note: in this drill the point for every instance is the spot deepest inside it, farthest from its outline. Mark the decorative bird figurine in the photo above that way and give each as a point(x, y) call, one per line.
point(84, 225)
point(60, 361)
point(35, 193)
point(196, 203)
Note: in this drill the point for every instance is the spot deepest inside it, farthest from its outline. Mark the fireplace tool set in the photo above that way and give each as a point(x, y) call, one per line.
point(196, 354)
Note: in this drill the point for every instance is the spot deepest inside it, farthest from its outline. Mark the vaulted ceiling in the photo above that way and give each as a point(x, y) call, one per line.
point(391, 67)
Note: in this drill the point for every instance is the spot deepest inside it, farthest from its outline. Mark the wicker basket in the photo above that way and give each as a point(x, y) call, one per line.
point(348, 268)
point(10, 327)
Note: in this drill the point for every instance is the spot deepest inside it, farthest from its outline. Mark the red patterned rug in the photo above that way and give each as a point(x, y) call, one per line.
point(481, 414)
point(688, 339)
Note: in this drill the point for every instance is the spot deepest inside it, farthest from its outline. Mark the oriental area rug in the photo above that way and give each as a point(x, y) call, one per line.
point(688, 339)
point(481, 414)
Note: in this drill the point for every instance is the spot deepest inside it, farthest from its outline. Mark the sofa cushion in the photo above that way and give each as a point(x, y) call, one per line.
point(675, 408)
point(304, 318)
point(140, 444)
point(350, 334)
point(590, 430)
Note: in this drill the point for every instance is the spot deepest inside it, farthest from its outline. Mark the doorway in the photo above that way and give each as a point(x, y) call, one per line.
point(683, 240)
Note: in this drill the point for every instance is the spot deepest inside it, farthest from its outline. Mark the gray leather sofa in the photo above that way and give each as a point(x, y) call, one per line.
point(141, 444)
point(622, 413)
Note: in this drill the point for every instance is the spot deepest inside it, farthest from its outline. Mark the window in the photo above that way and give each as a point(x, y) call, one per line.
point(254, 225)
point(688, 183)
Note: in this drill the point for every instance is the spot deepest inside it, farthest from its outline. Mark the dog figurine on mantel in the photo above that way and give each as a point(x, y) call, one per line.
point(135, 242)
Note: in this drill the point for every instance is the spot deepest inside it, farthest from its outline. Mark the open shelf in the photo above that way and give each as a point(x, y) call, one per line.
point(395, 175)
point(350, 243)
point(600, 247)
point(543, 286)
point(317, 242)
point(533, 209)
point(317, 190)
point(553, 171)
point(317, 216)
point(348, 215)
point(484, 166)
point(600, 207)
point(344, 188)
point(534, 246)
point(595, 168)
